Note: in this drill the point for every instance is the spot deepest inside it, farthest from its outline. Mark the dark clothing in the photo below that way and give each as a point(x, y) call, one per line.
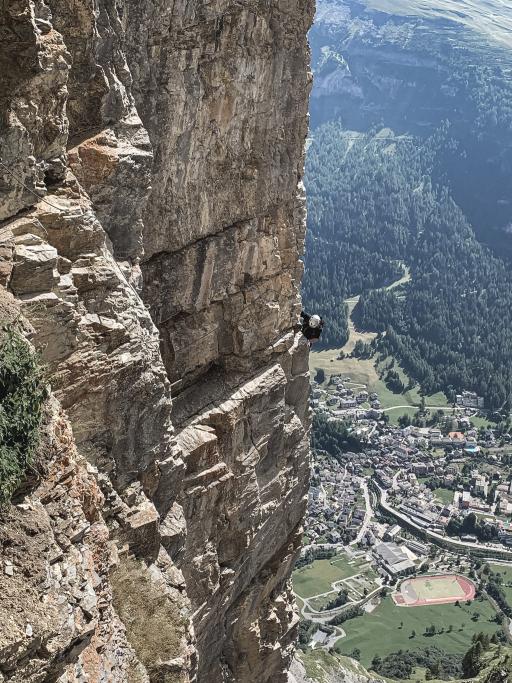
point(311, 333)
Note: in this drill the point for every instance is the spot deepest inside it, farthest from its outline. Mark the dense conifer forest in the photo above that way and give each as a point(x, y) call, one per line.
point(409, 163)
point(373, 205)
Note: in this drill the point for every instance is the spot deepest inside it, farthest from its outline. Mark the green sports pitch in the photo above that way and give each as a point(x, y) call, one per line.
point(434, 590)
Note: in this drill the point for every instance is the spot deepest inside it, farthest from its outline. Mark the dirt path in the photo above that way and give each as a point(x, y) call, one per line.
point(367, 337)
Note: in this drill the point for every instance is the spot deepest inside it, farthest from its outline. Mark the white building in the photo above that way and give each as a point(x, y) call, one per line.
point(469, 399)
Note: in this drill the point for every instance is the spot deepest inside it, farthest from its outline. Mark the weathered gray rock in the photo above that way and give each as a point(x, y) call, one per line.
point(167, 139)
point(55, 588)
point(330, 668)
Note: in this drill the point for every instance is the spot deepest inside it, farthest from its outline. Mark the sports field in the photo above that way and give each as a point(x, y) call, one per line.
point(434, 590)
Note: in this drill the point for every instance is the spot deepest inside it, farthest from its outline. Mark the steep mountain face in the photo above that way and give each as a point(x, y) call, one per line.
point(164, 260)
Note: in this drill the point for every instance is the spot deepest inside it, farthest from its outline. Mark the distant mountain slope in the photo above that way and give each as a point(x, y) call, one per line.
point(489, 18)
point(437, 76)
point(413, 66)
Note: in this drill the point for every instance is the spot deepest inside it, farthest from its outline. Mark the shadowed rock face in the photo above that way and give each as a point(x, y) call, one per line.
point(167, 142)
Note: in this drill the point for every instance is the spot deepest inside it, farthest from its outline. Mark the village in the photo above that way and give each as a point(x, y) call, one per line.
point(409, 489)
point(410, 500)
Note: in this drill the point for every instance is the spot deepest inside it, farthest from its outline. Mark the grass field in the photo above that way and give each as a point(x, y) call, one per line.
point(482, 422)
point(506, 575)
point(395, 415)
point(350, 567)
point(444, 495)
point(320, 603)
point(380, 633)
point(318, 577)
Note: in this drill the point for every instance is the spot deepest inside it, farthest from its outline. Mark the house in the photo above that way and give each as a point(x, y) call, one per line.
point(419, 468)
point(392, 533)
point(481, 485)
point(441, 441)
point(457, 438)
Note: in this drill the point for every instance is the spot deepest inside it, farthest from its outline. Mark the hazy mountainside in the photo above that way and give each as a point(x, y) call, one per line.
point(413, 73)
point(491, 19)
point(410, 160)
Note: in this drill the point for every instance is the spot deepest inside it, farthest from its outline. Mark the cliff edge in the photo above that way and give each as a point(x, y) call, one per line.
point(152, 225)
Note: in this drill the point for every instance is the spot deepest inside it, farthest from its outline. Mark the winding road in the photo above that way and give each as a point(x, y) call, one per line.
point(385, 410)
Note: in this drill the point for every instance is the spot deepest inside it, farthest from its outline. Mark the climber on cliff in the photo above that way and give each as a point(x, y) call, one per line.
point(311, 327)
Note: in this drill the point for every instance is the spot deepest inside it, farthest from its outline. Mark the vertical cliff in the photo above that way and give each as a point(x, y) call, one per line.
point(166, 139)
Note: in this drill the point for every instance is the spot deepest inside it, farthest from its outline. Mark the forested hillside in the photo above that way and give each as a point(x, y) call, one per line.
point(410, 162)
point(357, 232)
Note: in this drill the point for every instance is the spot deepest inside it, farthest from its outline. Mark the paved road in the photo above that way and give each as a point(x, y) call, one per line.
point(385, 410)
point(367, 516)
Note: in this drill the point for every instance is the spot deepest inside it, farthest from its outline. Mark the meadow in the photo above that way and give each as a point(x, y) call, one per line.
point(318, 577)
point(389, 628)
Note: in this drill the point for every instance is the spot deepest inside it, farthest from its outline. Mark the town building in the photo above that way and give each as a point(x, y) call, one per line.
point(392, 533)
point(469, 399)
point(393, 559)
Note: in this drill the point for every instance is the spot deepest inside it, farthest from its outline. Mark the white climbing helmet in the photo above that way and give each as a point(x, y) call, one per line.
point(314, 321)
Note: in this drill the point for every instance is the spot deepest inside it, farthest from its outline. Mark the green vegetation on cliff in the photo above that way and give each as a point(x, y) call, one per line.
point(22, 394)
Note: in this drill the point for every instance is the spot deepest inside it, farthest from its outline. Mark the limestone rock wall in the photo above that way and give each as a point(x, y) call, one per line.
point(162, 258)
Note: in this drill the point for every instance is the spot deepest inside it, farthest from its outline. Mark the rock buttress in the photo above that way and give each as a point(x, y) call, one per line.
point(167, 139)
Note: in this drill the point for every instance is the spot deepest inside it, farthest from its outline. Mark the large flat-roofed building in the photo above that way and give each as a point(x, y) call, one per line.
point(417, 547)
point(394, 560)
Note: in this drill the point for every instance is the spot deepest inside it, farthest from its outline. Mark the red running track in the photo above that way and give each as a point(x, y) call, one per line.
point(467, 586)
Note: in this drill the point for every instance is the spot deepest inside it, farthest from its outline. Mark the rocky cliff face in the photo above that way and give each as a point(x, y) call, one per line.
point(167, 141)
point(320, 666)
